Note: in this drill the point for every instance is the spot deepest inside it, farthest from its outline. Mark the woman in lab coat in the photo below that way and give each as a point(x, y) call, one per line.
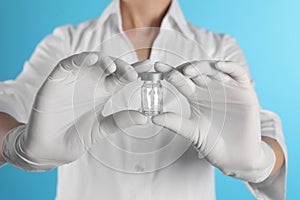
point(75, 106)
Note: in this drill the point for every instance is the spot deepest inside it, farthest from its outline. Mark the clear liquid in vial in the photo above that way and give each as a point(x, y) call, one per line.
point(152, 97)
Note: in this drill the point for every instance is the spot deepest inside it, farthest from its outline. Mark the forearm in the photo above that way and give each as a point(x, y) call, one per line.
point(7, 123)
point(278, 153)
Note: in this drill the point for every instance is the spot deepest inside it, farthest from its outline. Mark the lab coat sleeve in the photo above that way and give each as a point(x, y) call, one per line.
point(273, 187)
point(17, 96)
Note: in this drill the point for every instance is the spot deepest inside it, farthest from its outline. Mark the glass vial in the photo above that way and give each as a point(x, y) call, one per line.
point(151, 93)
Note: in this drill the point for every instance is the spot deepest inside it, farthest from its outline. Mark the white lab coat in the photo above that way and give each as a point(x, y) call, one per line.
point(163, 166)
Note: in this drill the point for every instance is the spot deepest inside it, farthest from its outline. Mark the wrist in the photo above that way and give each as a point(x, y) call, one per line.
point(9, 150)
point(253, 168)
point(7, 123)
point(13, 153)
point(259, 169)
point(2, 160)
point(280, 158)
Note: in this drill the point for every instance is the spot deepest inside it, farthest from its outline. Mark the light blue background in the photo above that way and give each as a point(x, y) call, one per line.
point(268, 31)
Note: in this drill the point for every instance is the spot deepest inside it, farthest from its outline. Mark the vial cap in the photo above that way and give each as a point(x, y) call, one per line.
point(151, 76)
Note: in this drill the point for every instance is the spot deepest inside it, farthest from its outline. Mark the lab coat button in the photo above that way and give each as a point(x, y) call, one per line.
point(139, 168)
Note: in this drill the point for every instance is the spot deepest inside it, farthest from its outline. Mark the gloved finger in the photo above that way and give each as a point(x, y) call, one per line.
point(107, 64)
point(204, 71)
point(73, 63)
point(203, 67)
point(104, 67)
point(201, 80)
point(165, 68)
point(124, 73)
point(78, 60)
point(162, 67)
point(182, 83)
point(175, 123)
point(121, 120)
point(182, 66)
point(142, 66)
point(234, 70)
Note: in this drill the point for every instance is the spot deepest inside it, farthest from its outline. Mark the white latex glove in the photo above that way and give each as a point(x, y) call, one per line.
point(66, 118)
point(224, 125)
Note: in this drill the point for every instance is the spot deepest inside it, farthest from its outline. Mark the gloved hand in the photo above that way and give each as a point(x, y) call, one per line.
point(224, 125)
point(66, 118)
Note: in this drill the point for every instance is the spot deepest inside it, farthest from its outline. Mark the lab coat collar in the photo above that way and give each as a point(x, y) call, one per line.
point(175, 13)
point(173, 16)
